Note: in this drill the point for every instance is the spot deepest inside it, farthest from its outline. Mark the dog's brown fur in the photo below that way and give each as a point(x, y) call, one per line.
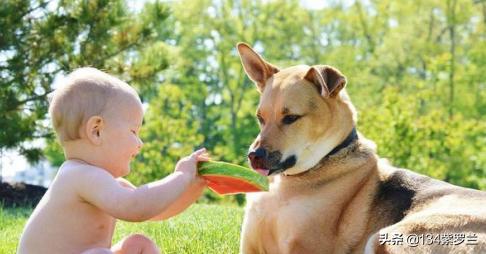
point(340, 203)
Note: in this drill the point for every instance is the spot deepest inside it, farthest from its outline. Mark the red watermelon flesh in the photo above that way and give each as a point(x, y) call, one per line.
point(229, 185)
point(226, 178)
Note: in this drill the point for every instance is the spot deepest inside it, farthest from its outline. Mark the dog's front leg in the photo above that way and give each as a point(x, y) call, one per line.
point(248, 238)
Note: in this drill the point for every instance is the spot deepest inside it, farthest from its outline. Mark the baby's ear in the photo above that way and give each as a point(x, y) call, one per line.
point(94, 125)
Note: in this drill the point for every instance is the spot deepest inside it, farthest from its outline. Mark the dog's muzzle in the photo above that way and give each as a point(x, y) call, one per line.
point(268, 163)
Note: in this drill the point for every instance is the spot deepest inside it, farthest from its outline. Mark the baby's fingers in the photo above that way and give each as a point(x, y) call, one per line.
point(198, 152)
point(203, 158)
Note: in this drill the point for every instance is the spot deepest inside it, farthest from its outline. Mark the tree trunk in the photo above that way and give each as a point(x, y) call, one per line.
point(1, 165)
point(451, 20)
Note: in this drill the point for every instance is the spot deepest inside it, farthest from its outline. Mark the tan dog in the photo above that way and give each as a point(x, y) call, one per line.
point(329, 191)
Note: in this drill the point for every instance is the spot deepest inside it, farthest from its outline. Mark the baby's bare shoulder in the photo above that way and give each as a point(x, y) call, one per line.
point(77, 175)
point(75, 170)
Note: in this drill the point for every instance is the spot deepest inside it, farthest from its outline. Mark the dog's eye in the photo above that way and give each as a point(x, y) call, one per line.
point(288, 119)
point(260, 120)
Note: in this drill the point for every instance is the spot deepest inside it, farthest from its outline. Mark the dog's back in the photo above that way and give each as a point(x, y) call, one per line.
point(410, 210)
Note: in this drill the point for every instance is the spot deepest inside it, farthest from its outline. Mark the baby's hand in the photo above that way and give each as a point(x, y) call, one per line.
point(188, 164)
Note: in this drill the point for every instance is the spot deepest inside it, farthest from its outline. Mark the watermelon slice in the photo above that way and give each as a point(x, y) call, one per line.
point(226, 178)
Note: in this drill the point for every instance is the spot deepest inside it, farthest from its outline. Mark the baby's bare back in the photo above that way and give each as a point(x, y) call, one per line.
point(63, 222)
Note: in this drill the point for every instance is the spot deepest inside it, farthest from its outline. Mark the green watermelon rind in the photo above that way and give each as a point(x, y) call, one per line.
point(219, 168)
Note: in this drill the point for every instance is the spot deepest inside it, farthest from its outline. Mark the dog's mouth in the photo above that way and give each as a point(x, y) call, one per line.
point(260, 166)
point(262, 171)
point(276, 168)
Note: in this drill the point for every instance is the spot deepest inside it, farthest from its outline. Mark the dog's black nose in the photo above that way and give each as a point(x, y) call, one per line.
point(258, 158)
point(258, 154)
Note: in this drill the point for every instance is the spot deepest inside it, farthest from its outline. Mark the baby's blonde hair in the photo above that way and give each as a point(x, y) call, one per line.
point(86, 92)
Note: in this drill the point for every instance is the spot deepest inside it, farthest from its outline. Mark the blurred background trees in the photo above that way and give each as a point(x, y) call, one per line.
point(42, 40)
point(416, 73)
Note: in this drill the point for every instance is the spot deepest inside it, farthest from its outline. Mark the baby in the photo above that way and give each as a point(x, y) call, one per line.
point(97, 118)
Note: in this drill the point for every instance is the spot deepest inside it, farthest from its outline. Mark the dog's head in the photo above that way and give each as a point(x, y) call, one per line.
point(304, 113)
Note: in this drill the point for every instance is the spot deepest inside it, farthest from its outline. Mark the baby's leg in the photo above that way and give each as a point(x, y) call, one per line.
point(135, 244)
point(98, 251)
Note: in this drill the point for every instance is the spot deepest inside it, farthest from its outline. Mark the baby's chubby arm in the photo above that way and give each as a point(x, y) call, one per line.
point(99, 188)
point(192, 193)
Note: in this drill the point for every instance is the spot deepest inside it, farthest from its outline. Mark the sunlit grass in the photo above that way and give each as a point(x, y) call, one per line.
point(200, 229)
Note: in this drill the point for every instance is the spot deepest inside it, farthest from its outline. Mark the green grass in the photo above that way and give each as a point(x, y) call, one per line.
point(200, 229)
point(11, 223)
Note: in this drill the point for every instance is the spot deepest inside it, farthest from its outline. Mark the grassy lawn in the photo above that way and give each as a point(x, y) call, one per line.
point(200, 229)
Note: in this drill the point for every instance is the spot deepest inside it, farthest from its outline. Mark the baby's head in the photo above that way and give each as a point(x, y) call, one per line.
point(100, 110)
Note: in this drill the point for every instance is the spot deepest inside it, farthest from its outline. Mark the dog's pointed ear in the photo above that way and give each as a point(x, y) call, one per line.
point(316, 78)
point(255, 66)
point(328, 80)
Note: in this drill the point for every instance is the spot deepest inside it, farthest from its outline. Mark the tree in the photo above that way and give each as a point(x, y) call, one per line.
point(380, 46)
point(406, 72)
point(41, 41)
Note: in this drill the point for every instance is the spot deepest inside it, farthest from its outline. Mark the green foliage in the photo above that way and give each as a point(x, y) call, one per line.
point(171, 133)
point(53, 153)
point(41, 41)
point(384, 48)
point(413, 134)
point(415, 72)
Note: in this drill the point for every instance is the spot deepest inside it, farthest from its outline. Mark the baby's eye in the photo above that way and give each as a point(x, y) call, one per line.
point(134, 132)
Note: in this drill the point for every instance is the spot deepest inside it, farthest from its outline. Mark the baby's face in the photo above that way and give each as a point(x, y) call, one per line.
point(120, 138)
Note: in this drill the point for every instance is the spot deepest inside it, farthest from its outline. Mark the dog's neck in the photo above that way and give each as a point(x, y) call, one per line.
point(353, 135)
point(350, 139)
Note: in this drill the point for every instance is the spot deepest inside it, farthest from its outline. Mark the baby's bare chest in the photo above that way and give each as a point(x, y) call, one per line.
point(75, 228)
point(93, 224)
